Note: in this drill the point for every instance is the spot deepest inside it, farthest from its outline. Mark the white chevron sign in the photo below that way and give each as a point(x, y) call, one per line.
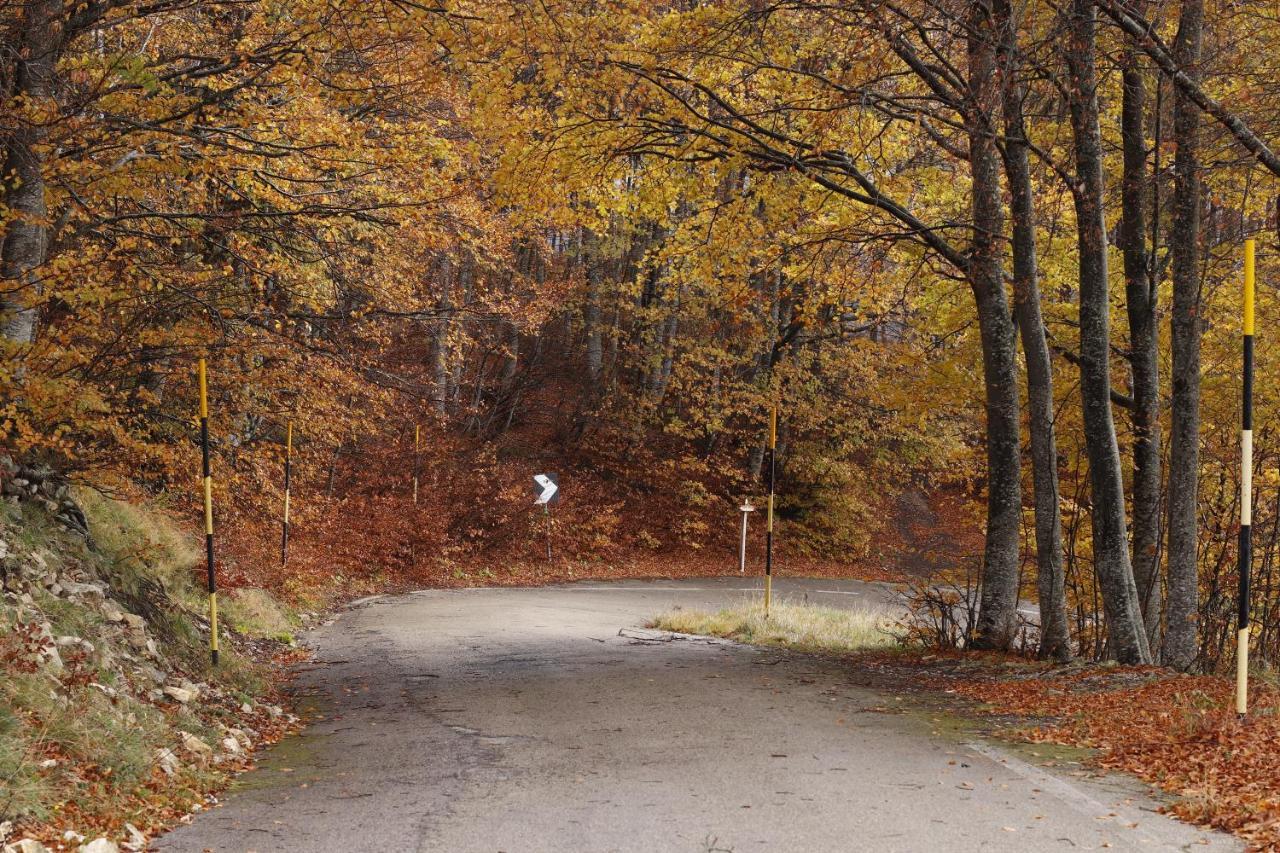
point(549, 489)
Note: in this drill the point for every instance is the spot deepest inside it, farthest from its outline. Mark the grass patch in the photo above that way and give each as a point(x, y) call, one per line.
point(257, 613)
point(794, 626)
point(66, 743)
point(142, 549)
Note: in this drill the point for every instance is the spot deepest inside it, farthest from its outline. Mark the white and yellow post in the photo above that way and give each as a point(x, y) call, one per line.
point(768, 533)
point(1246, 488)
point(208, 514)
point(417, 438)
point(288, 475)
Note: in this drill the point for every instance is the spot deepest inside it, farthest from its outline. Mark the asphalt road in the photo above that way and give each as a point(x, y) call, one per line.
point(521, 720)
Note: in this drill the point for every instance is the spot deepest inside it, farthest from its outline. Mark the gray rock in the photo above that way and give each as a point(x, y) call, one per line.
point(196, 748)
point(26, 845)
point(167, 761)
point(150, 672)
point(241, 737)
point(100, 845)
point(137, 841)
point(50, 658)
point(179, 694)
point(84, 590)
point(73, 518)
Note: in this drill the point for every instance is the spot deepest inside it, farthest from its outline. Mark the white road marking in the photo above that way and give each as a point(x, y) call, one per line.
point(1071, 795)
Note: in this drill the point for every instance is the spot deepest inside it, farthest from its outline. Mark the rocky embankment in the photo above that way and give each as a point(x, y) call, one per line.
point(112, 722)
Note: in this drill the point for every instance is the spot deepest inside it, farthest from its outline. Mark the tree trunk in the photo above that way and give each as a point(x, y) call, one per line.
point(1140, 302)
point(998, 606)
point(1054, 640)
point(26, 238)
point(591, 320)
point(440, 340)
point(1184, 431)
point(1128, 640)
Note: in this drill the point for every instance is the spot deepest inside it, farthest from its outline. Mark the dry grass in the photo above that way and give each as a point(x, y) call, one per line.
point(258, 613)
point(794, 626)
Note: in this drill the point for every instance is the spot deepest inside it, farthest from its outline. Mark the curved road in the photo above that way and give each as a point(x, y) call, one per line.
point(543, 719)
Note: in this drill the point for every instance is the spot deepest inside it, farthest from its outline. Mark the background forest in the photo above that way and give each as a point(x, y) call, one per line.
point(985, 256)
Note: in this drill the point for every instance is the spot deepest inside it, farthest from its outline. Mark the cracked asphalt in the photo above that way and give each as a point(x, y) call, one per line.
point(547, 719)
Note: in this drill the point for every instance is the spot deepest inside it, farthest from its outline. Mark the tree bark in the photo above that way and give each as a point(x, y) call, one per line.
point(440, 340)
point(1184, 431)
point(1140, 304)
point(26, 238)
point(1054, 639)
point(591, 320)
point(998, 602)
point(1128, 640)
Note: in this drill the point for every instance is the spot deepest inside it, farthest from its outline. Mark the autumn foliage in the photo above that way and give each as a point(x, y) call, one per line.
point(603, 240)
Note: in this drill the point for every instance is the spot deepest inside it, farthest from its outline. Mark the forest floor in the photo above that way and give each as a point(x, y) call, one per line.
point(1178, 732)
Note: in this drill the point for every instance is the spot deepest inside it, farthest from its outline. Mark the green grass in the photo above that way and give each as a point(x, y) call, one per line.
point(794, 626)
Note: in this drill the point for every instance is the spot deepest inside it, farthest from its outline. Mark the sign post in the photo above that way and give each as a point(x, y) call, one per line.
point(768, 534)
point(417, 460)
point(1246, 488)
point(288, 466)
point(547, 489)
point(746, 509)
point(208, 514)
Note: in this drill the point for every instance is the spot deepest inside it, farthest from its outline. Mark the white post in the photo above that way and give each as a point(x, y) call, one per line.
point(746, 509)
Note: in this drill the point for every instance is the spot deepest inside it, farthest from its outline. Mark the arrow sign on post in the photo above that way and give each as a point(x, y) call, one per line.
point(548, 489)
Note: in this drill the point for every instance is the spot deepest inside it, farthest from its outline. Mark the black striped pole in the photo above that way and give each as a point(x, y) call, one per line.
point(208, 515)
point(417, 436)
point(768, 532)
point(288, 471)
point(1246, 490)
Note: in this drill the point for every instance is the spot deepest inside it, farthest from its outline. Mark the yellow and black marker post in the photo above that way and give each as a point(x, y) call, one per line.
point(417, 439)
point(288, 471)
point(768, 531)
point(1246, 489)
point(208, 514)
